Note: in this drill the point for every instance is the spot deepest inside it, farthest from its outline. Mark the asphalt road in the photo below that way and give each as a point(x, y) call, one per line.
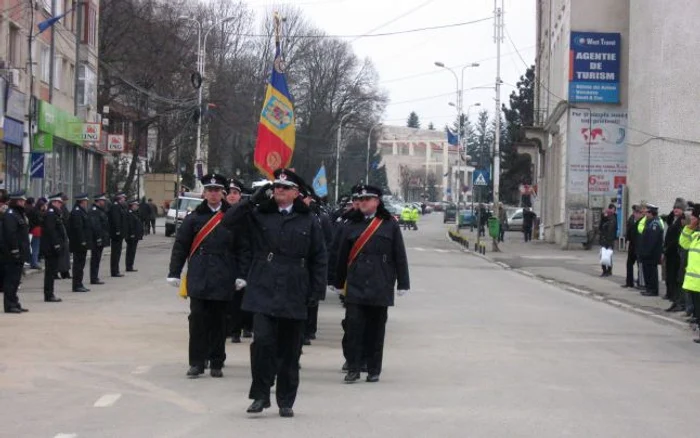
point(472, 351)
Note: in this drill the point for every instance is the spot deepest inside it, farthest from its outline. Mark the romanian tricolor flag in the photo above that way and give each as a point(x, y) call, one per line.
point(275, 143)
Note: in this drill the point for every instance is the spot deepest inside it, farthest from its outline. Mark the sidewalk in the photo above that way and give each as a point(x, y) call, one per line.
point(577, 271)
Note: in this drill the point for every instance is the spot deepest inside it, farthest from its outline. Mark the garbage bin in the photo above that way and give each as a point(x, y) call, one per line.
point(494, 227)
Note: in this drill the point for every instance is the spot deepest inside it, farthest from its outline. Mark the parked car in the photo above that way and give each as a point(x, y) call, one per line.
point(449, 213)
point(185, 204)
point(515, 221)
point(467, 217)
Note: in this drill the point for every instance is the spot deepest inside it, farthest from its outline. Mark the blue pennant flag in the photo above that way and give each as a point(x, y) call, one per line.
point(451, 138)
point(320, 184)
point(51, 21)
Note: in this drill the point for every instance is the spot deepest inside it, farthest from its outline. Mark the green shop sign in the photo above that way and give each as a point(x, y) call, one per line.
point(43, 143)
point(59, 123)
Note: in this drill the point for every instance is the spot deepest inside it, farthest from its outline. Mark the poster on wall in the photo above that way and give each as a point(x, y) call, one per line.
point(594, 67)
point(597, 155)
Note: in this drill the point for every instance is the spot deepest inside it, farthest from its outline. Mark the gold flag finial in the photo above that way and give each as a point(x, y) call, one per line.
point(278, 20)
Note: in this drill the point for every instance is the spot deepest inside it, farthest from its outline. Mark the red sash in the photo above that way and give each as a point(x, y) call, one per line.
point(206, 229)
point(363, 239)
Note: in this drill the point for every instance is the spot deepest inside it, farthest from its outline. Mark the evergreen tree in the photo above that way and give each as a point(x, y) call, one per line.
point(413, 120)
point(431, 126)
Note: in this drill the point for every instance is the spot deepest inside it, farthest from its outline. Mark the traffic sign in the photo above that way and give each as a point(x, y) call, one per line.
point(36, 169)
point(480, 178)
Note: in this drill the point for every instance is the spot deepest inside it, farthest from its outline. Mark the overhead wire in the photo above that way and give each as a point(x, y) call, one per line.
point(393, 20)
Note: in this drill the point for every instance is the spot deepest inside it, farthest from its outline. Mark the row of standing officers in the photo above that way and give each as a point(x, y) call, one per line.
point(281, 253)
point(65, 232)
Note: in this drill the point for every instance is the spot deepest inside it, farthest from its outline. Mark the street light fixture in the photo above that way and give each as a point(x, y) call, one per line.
point(337, 154)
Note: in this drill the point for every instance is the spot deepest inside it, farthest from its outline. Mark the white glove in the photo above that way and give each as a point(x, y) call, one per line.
point(402, 292)
point(174, 282)
point(333, 290)
point(240, 283)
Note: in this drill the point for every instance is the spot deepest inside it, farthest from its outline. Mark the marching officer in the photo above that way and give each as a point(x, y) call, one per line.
point(218, 261)
point(651, 250)
point(15, 231)
point(134, 234)
point(371, 261)
point(287, 275)
point(53, 243)
point(79, 240)
point(118, 226)
point(240, 320)
point(100, 236)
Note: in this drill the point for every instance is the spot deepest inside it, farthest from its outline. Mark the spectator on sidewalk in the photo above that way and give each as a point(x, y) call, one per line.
point(154, 214)
point(632, 237)
point(690, 241)
point(483, 220)
point(608, 234)
point(652, 250)
point(528, 222)
point(144, 215)
point(35, 216)
point(672, 256)
point(503, 221)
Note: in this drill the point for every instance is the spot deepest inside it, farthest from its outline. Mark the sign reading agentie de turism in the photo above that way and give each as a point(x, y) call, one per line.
point(594, 67)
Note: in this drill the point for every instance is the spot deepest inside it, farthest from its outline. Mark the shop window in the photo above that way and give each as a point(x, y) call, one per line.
point(14, 49)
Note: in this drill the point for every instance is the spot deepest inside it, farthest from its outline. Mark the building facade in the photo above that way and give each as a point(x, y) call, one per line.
point(50, 78)
point(420, 161)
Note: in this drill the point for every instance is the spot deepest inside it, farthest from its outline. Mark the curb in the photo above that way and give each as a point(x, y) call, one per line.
point(581, 292)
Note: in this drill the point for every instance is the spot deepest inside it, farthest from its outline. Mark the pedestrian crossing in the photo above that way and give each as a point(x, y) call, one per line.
point(437, 250)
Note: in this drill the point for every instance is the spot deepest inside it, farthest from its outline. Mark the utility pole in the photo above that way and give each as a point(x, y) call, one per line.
point(78, 36)
point(498, 37)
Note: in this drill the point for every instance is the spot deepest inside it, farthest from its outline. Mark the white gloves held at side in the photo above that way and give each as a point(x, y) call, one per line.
point(240, 283)
point(402, 292)
point(174, 282)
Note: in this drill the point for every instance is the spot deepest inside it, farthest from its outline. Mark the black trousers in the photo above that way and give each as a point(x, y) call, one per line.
point(115, 256)
point(695, 298)
point(369, 321)
point(528, 234)
point(95, 259)
point(631, 262)
point(50, 271)
point(673, 288)
point(146, 226)
point(79, 259)
point(11, 279)
point(275, 351)
point(207, 332)
point(311, 322)
point(153, 225)
point(239, 319)
point(651, 276)
point(131, 246)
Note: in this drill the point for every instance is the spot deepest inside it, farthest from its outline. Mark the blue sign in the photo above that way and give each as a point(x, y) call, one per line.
point(480, 178)
point(14, 132)
point(620, 214)
point(36, 170)
point(594, 67)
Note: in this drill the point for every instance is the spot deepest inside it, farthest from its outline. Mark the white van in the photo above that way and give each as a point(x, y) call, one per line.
point(185, 204)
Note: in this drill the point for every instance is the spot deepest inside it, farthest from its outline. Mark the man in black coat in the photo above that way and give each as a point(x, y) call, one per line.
point(79, 240)
point(15, 232)
point(100, 236)
point(218, 261)
point(528, 223)
point(608, 234)
point(369, 266)
point(287, 276)
point(118, 227)
point(672, 255)
point(652, 250)
point(632, 235)
point(133, 235)
point(239, 319)
point(53, 245)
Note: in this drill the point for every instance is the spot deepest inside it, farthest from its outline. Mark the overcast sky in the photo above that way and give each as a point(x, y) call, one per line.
point(406, 62)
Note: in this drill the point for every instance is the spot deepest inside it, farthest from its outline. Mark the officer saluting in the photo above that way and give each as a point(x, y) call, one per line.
point(100, 236)
point(15, 230)
point(371, 261)
point(133, 235)
point(79, 239)
point(287, 275)
point(218, 260)
point(53, 243)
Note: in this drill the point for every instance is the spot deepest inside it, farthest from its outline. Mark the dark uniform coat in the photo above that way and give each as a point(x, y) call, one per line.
point(135, 226)
point(53, 234)
point(100, 226)
point(223, 256)
point(79, 230)
point(380, 266)
point(15, 231)
point(289, 266)
point(608, 230)
point(118, 223)
point(652, 241)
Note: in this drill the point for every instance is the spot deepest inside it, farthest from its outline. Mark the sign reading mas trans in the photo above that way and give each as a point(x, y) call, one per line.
point(594, 67)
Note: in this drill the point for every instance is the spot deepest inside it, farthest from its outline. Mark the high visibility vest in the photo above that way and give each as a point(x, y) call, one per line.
point(406, 214)
point(643, 224)
point(414, 215)
point(690, 241)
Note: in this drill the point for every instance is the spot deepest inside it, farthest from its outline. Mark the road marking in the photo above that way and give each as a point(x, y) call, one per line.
point(419, 249)
point(66, 435)
point(542, 257)
point(107, 400)
point(441, 250)
point(143, 369)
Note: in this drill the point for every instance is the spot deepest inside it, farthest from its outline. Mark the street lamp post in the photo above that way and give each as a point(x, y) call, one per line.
point(337, 154)
point(460, 90)
point(201, 63)
point(369, 140)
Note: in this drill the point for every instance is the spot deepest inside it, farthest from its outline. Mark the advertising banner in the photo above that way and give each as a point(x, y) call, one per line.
point(594, 67)
point(597, 156)
point(115, 143)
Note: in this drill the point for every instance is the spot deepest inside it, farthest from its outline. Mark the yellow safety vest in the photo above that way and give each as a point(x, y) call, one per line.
point(414, 215)
point(690, 241)
point(643, 224)
point(406, 214)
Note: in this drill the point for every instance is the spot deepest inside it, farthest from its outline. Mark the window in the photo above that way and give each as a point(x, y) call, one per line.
point(44, 63)
point(13, 54)
point(87, 86)
point(47, 5)
point(58, 73)
point(90, 24)
point(71, 78)
point(66, 79)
